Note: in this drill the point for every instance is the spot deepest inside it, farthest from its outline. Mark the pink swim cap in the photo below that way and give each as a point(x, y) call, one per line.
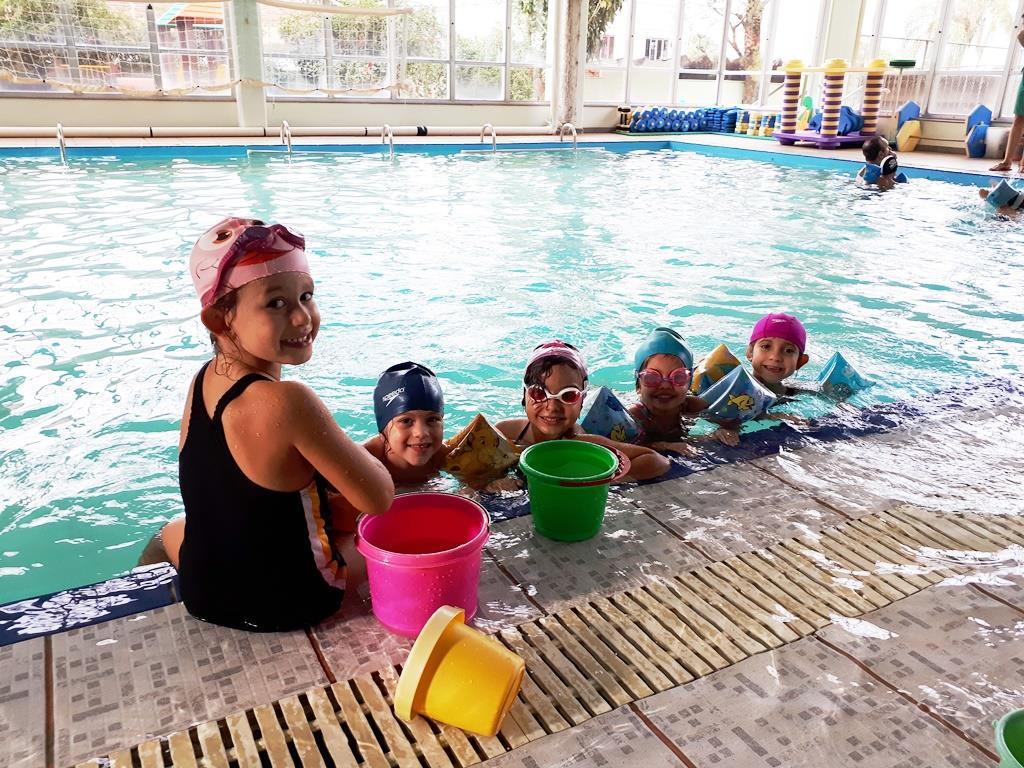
point(237, 251)
point(560, 349)
point(778, 325)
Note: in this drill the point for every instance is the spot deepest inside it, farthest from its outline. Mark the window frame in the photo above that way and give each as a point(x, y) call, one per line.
point(932, 71)
point(770, 23)
point(151, 49)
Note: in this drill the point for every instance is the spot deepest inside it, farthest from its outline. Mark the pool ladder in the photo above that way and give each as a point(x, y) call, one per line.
point(494, 136)
point(62, 145)
point(387, 136)
point(286, 135)
point(572, 129)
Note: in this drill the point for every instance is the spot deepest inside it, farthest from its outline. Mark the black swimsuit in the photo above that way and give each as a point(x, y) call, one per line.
point(252, 558)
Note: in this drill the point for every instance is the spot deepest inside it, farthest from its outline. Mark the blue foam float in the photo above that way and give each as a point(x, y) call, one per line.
point(737, 396)
point(840, 379)
point(604, 414)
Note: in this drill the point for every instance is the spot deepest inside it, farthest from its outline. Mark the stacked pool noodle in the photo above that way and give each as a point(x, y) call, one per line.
point(664, 120)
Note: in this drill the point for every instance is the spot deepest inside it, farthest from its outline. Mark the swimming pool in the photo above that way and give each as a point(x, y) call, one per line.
point(463, 261)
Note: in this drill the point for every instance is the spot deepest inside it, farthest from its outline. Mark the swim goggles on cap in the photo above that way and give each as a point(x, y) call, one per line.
point(568, 395)
point(256, 237)
point(649, 377)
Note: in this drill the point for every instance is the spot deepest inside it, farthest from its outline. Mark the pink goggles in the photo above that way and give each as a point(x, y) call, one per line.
point(653, 379)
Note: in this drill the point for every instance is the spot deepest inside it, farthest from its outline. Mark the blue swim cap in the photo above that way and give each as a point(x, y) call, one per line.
point(662, 341)
point(406, 387)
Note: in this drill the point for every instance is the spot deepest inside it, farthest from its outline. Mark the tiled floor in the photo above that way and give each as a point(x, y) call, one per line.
point(954, 649)
point(618, 738)
point(120, 682)
point(23, 703)
point(630, 550)
point(803, 705)
point(725, 513)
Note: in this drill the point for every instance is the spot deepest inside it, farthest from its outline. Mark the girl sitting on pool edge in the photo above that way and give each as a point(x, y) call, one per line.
point(254, 550)
point(553, 388)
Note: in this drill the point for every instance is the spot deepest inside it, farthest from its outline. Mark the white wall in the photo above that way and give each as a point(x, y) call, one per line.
point(128, 112)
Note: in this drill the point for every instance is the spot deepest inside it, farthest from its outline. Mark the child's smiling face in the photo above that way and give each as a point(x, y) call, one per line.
point(552, 419)
point(774, 359)
point(415, 436)
point(666, 397)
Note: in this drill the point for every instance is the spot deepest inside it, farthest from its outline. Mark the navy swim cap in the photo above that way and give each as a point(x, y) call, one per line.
point(406, 387)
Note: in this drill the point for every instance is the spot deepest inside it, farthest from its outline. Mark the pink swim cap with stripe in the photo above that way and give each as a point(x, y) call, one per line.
point(237, 251)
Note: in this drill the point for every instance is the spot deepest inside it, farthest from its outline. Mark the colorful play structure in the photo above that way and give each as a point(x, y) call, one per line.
point(828, 134)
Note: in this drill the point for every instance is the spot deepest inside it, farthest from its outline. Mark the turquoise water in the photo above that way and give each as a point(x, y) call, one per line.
point(463, 262)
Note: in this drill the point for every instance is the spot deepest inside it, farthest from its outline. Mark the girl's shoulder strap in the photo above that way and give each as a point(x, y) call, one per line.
point(235, 391)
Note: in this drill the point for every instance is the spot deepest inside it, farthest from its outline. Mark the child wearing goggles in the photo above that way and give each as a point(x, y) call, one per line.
point(662, 366)
point(256, 549)
point(553, 388)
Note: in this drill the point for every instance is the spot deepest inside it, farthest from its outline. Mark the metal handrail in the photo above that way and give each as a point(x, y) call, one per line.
point(494, 136)
point(572, 129)
point(388, 135)
point(61, 144)
point(286, 135)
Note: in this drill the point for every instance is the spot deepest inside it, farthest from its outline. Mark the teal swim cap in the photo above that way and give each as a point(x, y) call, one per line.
point(662, 341)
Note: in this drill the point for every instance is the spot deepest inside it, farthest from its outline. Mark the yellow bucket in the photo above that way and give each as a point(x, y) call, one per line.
point(458, 675)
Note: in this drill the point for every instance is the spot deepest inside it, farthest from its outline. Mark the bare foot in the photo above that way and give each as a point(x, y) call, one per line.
point(1002, 166)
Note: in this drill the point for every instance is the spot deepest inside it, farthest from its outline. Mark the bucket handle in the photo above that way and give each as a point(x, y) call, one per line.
point(621, 470)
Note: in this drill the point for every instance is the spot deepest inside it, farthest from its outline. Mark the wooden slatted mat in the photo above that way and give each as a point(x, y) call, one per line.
point(589, 659)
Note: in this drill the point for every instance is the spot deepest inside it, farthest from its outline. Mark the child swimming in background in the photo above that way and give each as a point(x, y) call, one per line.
point(409, 408)
point(662, 367)
point(775, 352)
point(256, 454)
point(553, 388)
point(881, 166)
point(1004, 199)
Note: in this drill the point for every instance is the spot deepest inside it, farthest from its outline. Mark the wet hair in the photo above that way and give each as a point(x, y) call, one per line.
point(224, 305)
point(538, 371)
point(873, 148)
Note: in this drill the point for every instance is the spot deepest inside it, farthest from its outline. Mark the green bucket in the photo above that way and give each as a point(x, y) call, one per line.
point(568, 483)
point(1010, 739)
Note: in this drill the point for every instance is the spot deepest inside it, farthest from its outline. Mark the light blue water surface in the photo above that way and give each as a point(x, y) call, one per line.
point(462, 261)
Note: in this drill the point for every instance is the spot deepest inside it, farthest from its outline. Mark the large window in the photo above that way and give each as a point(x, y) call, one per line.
point(462, 50)
point(96, 45)
point(720, 52)
point(963, 49)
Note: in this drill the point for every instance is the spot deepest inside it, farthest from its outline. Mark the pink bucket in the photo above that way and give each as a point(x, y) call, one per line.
point(424, 552)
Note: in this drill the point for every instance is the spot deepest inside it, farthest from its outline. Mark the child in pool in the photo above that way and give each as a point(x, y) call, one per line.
point(775, 352)
point(409, 408)
point(881, 166)
point(256, 454)
point(553, 388)
point(662, 367)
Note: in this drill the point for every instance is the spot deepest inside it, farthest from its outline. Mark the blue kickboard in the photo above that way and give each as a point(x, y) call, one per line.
point(980, 114)
point(976, 140)
point(909, 111)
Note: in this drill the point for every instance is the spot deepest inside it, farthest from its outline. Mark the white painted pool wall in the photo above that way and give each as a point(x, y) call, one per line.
point(18, 110)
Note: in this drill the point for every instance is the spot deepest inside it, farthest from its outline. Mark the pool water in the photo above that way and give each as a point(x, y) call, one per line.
point(463, 262)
